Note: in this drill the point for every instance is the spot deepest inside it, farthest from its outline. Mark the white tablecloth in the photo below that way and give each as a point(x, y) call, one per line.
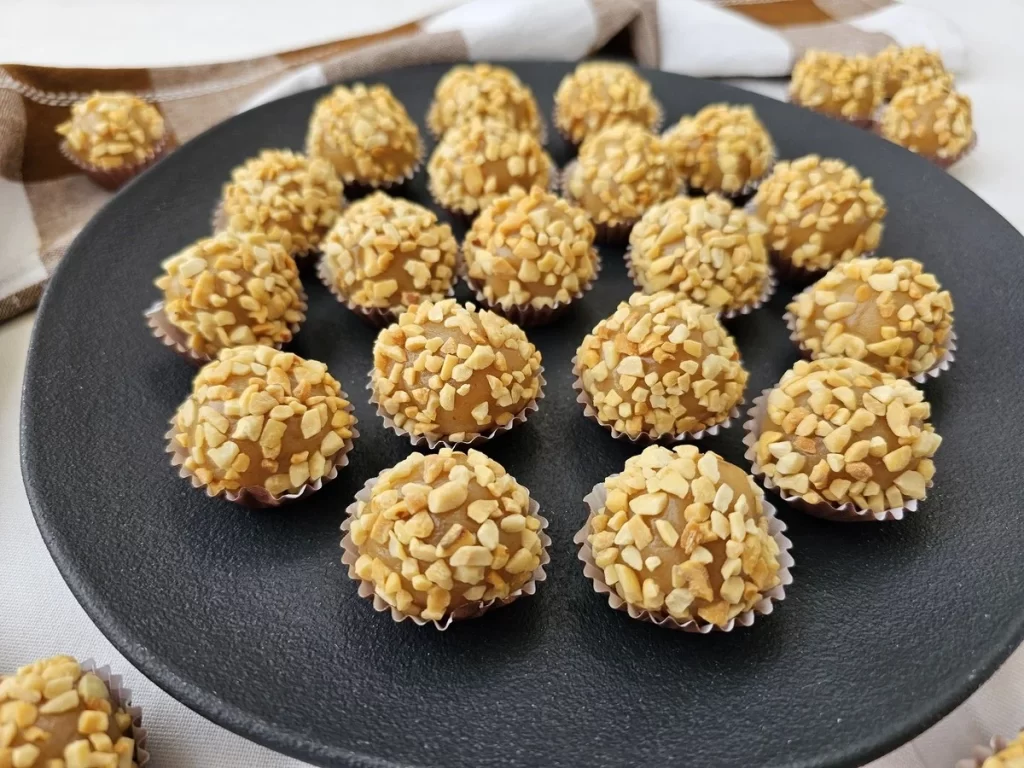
point(40, 616)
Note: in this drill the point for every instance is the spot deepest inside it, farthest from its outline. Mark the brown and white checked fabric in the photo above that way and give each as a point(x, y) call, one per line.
point(44, 201)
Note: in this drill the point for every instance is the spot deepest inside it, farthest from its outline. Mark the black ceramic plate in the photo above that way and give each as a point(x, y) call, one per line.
point(249, 618)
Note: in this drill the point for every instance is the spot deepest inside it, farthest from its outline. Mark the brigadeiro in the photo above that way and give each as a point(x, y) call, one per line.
point(660, 368)
point(848, 88)
point(384, 254)
point(449, 373)
point(444, 537)
point(819, 212)
point(598, 94)
point(932, 119)
point(840, 439)
point(685, 540)
point(262, 427)
point(891, 314)
point(915, 65)
point(530, 254)
point(483, 90)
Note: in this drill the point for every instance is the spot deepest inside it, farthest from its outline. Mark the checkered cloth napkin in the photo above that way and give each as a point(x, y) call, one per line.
point(44, 201)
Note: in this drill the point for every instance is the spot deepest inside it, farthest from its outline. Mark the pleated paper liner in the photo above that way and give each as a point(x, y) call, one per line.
point(431, 442)
point(219, 223)
point(659, 121)
point(645, 438)
point(122, 697)
point(981, 753)
point(942, 364)
point(367, 591)
point(258, 497)
point(530, 316)
point(170, 335)
point(770, 284)
point(595, 500)
point(114, 178)
point(826, 510)
point(617, 233)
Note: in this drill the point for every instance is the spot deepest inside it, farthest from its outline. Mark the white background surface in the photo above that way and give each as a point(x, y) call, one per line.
point(38, 615)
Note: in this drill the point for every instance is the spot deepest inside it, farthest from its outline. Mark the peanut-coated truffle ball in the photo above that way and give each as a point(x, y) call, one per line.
point(113, 130)
point(819, 213)
point(620, 173)
point(530, 249)
point(702, 248)
point(386, 252)
point(846, 87)
point(259, 418)
point(900, 67)
point(722, 148)
point(52, 713)
point(230, 290)
point(839, 431)
point(683, 534)
point(1012, 756)
point(601, 93)
point(661, 366)
point(479, 160)
point(483, 90)
point(450, 372)
point(290, 198)
point(444, 535)
point(930, 119)
point(365, 132)
point(890, 314)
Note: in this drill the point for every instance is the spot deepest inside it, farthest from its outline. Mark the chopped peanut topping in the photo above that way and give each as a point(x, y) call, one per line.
point(388, 252)
point(483, 90)
point(703, 249)
point(601, 93)
point(931, 119)
point(54, 714)
point(365, 132)
point(1010, 757)
point(890, 314)
point(722, 148)
point(477, 161)
point(262, 418)
point(531, 249)
point(900, 67)
point(661, 366)
point(683, 534)
point(291, 199)
point(819, 212)
point(113, 130)
point(620, 173)
point(838, 430)
point(232, 290)
point(446, 532)
point(847, 87)
point(451, 372)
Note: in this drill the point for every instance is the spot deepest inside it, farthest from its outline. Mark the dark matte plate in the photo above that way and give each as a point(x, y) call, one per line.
point(249, 618)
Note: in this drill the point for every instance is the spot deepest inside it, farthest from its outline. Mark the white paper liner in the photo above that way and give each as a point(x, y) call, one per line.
point(943, 364)
point(646, 438)
point(606, 233)
point(258, 497)
point(770, 284)
point(981, 753)
point(122, 697)
point(432, 442)
point(171, 336)
point(530, 316)
point(847, 512)
point(366, 588)
point(655, 127)
point(377, 317)
point(595, 500)
point(114, 178)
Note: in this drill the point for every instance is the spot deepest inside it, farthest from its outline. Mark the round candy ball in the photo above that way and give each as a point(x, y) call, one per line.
point(931, 119)
point(451, 373)
point(113, 130)
point(845, 87)
point(232, 290)
point(900, 67)
point(890, 314)
point(53, 713)
point(292, 199)
point(838, 431)
point(483, 90)
point(683, 534)
point(661, 367)
point(601, 93)
point(263, 420)
point(446, 535)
